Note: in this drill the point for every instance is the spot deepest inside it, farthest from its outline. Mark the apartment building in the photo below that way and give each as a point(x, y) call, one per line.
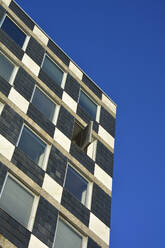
point(56, 143)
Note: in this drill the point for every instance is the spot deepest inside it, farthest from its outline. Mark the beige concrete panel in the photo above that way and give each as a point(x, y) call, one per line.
point(75, 70)
point(52, 187)
point(18, 100)
point(103, 177)
point(31, 64)
point(40, 35)
point(69, 101)
point(36, 243)
point(4, 243)
point(6, 148)
point(99, 228)
point(7, 2)
point(109, 103)
point(106, 136)
point(62, 139)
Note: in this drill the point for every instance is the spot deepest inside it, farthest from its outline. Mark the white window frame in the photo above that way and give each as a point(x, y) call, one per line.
point(15, 69)
point(88, 197)
point(64, 73)
point(27, 36)
point(84, 238)
point(57, 106)
point(47, 148)
point(97, 106)
point(35, 201)
point(2, 105)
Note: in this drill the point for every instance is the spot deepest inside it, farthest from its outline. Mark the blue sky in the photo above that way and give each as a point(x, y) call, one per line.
point(121, 46)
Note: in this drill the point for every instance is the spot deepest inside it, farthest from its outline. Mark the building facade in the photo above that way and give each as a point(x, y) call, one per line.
point(56, 143)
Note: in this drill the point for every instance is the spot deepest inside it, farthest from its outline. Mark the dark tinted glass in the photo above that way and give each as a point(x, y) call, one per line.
point(13, 31)
point(6, 68)
point(43, 104)
point(76, 184)
point(32, 146)
point(16, 201)
point(53, 71)
point(88, 104)
point(66, 237)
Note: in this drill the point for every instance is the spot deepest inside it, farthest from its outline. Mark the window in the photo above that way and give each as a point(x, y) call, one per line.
point(32, 146)
point(67, 236)
point(15, 33)
point(52, 70)
point(17, 201)
point(86, 103)
point(82, 136)
point(6, 68)
point(43, 104)
point(76, 185)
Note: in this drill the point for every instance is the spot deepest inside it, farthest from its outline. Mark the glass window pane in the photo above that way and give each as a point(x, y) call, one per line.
point(6, 68)
point(13, 31)
point(88, 104)
point(31, 145)
point(16, 201)
point(67, 237)
point(53, 71)
point(43, 104)
point(76, 184)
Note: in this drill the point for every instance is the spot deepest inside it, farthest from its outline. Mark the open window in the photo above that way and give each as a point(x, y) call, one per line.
point(82, 136)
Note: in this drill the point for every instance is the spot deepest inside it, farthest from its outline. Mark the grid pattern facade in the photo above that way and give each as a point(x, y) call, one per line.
point(45, 177)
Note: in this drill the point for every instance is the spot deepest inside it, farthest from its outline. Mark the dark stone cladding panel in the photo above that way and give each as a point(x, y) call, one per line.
point(35, 51)
point(10, 124)
point(75, 207)
point(11, 45)
point(51, 84)
point(52, 46)
point(13, 231)
point(41, 119)
point(2, 12)
point(65, 122)
point(101, 205)
point(72, 87)
point(45, 222)
point(104, 158)
point(82, 157)
point(24, 84)
point(24, 163)
point(92, 86)
point(107, 121)
point(92, 244)
point(4, 86)
point(21, 14)
point(86, 117)
point(3, 172)
point(57, 165)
